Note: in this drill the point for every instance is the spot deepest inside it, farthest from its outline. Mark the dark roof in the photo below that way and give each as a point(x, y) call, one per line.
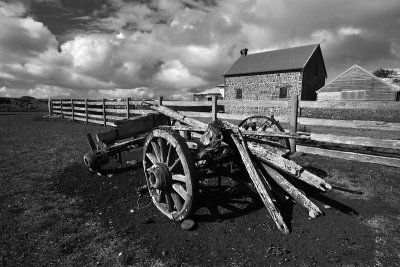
point(356, 78)
point(294, 58)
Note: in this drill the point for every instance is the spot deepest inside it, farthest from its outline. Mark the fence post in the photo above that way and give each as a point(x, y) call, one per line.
point(61, 108)
point(72, 109)
point(160, 100)
point(127, 107)
point(214, 108)
point(86, 111)
point(293, 121)
point(50, 107)
point(104, 112)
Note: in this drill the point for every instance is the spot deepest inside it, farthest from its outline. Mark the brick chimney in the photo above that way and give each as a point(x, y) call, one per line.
point(243, 52)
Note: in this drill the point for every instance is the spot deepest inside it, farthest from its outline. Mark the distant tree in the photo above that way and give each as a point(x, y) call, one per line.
point(396, 80)
point(383, 73)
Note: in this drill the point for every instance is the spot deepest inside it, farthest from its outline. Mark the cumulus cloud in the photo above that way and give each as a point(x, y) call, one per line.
point(144, 49)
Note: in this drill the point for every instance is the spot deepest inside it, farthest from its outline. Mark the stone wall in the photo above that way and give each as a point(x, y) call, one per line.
point(262, 87)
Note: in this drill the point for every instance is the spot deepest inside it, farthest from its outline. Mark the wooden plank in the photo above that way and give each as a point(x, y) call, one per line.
point(372, 105)
point(79, 102)
point(293, 121)
point(104, 113)
point(78, 108)
point(374, 125)
point(72, 109)
point(179, 117)
point(117, 118)
point(132, 127)
point(49, 106)
point(127, 107)
point(95, 116)
point(139, 102)
point(86, 110)
point(56, 111)
point(95, 102)
point(260, 184)
point(352, 140)
point(255, 103)
point(95, 109)
point(61, 107)
point(95, 121)
point(187, 103)
point(270, 157)
point(55, 101)
point(293, 191)
point(394, 162)
point(115, 103)
point(80, 119)
point(111, 110)
point(214, 110)
point(141, 112)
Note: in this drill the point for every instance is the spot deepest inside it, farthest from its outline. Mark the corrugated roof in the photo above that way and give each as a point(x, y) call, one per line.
point(270, 61)
point(363, 80)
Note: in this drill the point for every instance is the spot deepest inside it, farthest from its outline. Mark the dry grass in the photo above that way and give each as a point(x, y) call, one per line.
point(387, 241)
point(38, 225)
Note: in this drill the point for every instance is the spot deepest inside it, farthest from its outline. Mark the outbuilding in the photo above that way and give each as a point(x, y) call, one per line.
point(356, 83)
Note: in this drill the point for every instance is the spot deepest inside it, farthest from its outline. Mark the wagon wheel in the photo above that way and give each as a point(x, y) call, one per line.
point(266, 124)
point(170, 173)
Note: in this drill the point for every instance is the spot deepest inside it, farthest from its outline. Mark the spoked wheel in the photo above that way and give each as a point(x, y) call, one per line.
point(264, 123)
point(170, 173)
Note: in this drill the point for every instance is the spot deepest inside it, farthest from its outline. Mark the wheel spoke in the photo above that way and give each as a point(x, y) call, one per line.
point(160, 197)
point(156, 149)
point(180, 190)
point(177, 200)
point(179, 177)
point(152, 157)
point(163, 148)
point(168, 154)
point(173, 166)
point(169, 201)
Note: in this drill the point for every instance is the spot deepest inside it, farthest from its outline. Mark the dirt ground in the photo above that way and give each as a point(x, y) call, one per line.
point(55, 212)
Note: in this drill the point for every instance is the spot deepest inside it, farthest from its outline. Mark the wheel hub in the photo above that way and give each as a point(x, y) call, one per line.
point(159, 176)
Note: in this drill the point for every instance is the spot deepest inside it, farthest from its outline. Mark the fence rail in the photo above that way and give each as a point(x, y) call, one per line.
point(107, 111)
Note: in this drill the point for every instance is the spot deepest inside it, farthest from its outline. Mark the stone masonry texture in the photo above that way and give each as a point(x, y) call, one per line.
point(262, 87)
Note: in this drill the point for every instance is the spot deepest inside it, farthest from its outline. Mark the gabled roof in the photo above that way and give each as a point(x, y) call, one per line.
point(294, 58)
point(365, 79)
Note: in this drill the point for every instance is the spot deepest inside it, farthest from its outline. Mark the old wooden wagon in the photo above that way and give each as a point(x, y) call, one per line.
point(175, 160)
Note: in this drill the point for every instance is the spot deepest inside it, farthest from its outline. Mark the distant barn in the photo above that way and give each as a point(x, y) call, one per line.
point(357, 83)
point(276, 74)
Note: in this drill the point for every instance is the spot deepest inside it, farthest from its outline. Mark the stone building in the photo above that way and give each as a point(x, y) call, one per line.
point(276, 74)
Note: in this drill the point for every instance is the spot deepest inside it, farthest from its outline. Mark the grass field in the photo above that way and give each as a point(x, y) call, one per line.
point(54, 212)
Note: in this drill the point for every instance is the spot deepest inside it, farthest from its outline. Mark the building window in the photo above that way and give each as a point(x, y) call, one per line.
point(283, 92)
point(238, 93)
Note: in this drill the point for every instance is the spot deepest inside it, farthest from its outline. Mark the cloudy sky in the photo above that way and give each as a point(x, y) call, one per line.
point(143, 49)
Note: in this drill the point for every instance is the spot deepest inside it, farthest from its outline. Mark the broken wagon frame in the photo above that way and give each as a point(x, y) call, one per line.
point(172, 159)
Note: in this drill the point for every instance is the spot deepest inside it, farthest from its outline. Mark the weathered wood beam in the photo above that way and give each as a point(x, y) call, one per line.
point(293, 191)
point(245, 132)
point(267, 155)
point(260, 185)
point(179, 117)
